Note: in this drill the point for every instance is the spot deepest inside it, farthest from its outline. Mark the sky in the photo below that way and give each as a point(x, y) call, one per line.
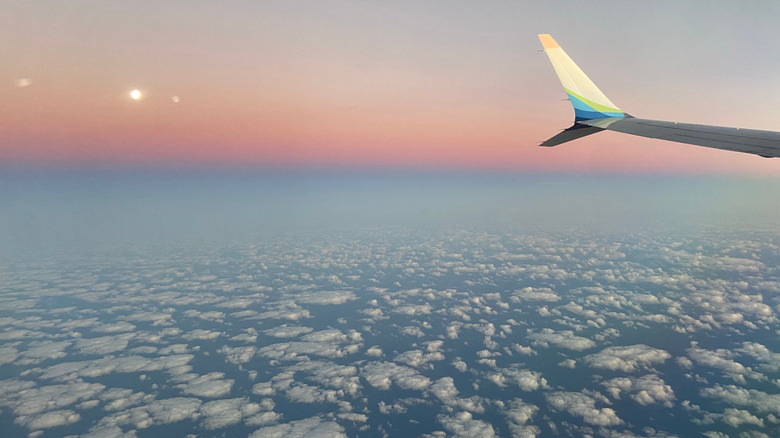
point(435, 84)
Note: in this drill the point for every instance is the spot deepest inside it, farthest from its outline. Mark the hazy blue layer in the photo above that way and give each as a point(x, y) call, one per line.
point(87, 211)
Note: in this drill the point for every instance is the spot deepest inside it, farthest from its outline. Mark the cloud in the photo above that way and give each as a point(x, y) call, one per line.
point(444, 389)
point(313, 427)
point(325, 297)
point(208, 385)
point(66, 371)
point(375, 351)
point(770, 361)
point(414, 310)
point(28, 400)
point(121, 326)
point(212, 315)
point(645, 390)
point(327, 336)
point(285, 331)
point(202, 335)
point(383, 374)
point(535, 294)
point(568, 363)
point(38, 351)
point(528, 351)
point(295, 350)
point(627, 358)
point(303, 393)
point(48, 419)
point(412, 330)
point(564, 339)
point(263, 388)
point(733, 395)
point(330, 374)
point(238, 355)
point(263, 419)
point(8, 354)
point(721, 359)
point(221, 413)
point(418, 359)
point(291, 314)
point(580, 405)
point(353, 417)
point(518, 415)
point(156, 412)
point(118, 399)
point(738, 417)
point(526, 380)
point(463, 425)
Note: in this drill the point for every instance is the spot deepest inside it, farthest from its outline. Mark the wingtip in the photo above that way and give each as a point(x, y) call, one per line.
point(548, 42)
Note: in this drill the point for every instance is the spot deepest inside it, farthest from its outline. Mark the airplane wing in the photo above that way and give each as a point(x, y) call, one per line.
point(594, 112)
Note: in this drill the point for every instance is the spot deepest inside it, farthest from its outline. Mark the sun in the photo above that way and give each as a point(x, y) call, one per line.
point(135, 94)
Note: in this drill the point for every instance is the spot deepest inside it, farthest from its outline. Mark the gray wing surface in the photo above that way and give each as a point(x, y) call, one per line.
point(752, 141)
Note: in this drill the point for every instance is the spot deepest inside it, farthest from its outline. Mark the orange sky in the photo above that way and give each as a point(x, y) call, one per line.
point(348, 85)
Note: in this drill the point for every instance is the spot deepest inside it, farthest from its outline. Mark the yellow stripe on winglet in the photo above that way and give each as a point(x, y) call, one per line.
point(548, 42)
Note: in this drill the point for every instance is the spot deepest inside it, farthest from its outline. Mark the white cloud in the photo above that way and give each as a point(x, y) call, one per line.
point(27, 400)
point(353, 417)
point(535, 294)
point(580, 405)
point(568, 363)
point(202, 335)
point(121, 326)
point(208, 385)
point(291, 314)
point(738, 417)
point(8, 354)
point(221, 413)
point(383, 374)
point(263, 388)
point(463, 425)
point(325, 297)
point(330, 374)
point(528, 351)
point(758, 400)
point(526, 380)
point(418, 359)
point(645, 390)
point(770, 360)
point(238, 355)
point(263, 419)
point(722, 360)
point(627, 358)
point(326, 336)
point(444, 389)
point(48, 419)
point(375, 351)
point(564, 339)
point(38, 351)
point(518, 415)
point(313, 427)
point(66, 371)
point(285, 331)
point(412, 331)
point(173, 410)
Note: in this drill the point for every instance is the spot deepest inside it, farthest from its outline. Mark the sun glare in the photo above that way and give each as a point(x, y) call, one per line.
point(135, 94)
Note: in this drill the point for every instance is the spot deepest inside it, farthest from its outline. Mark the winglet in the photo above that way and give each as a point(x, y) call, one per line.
point(548, 42)
point(588, 101)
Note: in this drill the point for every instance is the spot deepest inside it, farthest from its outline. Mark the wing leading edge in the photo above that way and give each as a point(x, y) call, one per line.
point(594, 112)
